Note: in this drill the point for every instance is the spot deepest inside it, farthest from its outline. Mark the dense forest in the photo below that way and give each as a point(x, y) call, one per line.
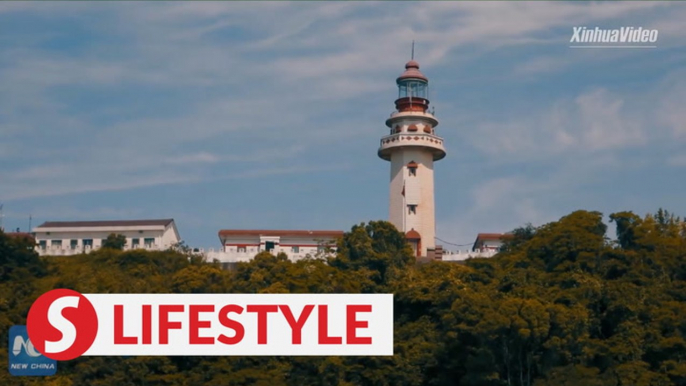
point(562, 304)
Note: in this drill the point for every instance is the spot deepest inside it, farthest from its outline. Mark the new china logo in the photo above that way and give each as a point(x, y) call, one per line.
point(64, 324)
point(24, 358)
point(24, 344)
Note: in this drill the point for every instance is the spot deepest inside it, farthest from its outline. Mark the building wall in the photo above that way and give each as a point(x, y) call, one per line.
point(491, 244)
point(244, 248)
point(97, 236)
point(465, 255)
point(161, 238)
point(227, 258)
point(169, 236)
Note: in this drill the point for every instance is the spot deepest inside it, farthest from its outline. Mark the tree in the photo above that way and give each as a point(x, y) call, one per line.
point(17, 254)
point(115, 241)
point(570, 243)
point(519, 237)
point(377, 248)
point(626, 228)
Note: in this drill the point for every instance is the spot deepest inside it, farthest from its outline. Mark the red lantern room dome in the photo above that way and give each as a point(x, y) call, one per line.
point(412, 72)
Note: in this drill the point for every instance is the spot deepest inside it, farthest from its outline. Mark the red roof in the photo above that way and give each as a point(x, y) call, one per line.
point(281, 233)
point(493, 236)
point(412, 72)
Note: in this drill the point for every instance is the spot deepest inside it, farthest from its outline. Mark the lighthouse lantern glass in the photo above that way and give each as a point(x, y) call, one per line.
point(412, 88)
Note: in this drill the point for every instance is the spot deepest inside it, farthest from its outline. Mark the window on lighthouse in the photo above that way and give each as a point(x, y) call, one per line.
point(412, 88)
point(412, 168)
point(412, 209)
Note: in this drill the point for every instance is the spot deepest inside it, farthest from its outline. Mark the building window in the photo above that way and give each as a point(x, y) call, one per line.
point(412, 209)
point(241, 250)
point(412, 168)
point(135, 242)
point(56, 243)
point(269, 246)
point(73, 244)
point(88, 243)
point(42, 244)
point(149, 242)
point(295, 249)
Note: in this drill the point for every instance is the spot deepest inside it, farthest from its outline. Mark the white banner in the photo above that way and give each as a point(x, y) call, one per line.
point(214, 324)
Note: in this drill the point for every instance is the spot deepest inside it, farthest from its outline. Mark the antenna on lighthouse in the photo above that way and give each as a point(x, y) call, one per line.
point(2, 229)
point(412, 50)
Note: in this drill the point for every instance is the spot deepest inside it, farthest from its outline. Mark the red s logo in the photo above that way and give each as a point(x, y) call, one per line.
point(62, 324)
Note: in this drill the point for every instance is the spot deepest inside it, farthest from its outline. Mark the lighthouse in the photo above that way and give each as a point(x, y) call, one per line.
point(412, 147)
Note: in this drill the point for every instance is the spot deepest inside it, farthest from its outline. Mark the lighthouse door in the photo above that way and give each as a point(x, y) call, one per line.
point(415, 246)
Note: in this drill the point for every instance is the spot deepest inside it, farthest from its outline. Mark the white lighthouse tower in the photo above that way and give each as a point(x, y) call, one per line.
point(412, 147)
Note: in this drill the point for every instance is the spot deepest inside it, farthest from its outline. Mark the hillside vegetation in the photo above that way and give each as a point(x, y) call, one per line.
point(561, 305)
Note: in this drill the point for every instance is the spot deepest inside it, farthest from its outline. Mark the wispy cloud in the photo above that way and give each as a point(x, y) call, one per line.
point(594, 121)
point(501, 204)
point(677, 160)
point(47, 182)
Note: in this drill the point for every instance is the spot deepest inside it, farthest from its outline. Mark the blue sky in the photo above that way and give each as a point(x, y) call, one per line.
point(269, 115)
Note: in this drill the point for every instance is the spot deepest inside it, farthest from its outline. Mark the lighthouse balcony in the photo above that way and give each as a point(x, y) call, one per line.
point(394, 142)
point(400, 116)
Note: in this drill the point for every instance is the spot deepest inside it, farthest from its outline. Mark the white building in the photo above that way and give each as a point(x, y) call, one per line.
point(242, 245)
point(74, 237)
point(463, 255)
point(490, 242)
point(239, 245)
point(486, 245)
point(412, 147)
